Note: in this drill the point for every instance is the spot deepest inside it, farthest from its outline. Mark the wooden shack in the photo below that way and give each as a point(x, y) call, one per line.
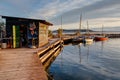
point(24, 32)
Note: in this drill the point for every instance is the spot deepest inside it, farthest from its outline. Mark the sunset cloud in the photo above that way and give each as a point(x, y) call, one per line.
point(97, 12)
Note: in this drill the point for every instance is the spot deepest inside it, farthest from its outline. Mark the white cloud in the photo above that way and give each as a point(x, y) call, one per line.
point(35, 8)
point(98, 12)
point(101, 12)
point(93, 23)
point(108, 22)
point(56, 8)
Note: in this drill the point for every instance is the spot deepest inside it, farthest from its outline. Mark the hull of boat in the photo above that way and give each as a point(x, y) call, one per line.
point(88, 40)
point(100, 38)
point(77, 40)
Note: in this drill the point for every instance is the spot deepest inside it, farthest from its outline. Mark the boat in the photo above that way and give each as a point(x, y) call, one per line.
point(102, 37)
point(88, 38)
point(78, 38)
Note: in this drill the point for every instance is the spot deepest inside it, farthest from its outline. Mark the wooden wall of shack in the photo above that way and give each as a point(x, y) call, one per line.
point(43, 34)
point(41, 31)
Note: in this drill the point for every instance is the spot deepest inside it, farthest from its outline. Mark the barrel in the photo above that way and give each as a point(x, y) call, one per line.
point(4, 45)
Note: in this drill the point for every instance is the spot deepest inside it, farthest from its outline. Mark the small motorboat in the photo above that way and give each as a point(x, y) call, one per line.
point(100, 38)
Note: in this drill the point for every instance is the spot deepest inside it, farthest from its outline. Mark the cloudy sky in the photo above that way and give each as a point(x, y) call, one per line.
point(96, 12)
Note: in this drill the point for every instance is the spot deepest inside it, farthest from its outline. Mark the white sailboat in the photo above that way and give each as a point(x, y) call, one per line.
point(88, 38)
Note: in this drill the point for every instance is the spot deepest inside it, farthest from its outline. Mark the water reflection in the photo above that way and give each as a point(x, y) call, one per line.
point(87, 46)
point(87, 52)
point(80, 53)
point(102, 46)
point(61, 58)
point(91, 61)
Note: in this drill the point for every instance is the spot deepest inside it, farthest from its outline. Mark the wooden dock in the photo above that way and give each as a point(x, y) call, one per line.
point(21, 64)
point(26, 64)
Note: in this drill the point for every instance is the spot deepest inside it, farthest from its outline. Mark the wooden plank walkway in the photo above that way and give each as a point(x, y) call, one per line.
point(21, 64)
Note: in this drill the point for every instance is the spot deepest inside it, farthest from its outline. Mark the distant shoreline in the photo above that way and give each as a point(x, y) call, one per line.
point(83, 30)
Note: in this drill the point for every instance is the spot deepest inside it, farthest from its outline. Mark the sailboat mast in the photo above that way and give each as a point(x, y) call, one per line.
point(80, 23)
point(87, 28)
point(61, 29)
point(102, 30)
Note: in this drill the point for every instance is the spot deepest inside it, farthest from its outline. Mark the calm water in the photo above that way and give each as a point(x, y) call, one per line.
point(98, 61)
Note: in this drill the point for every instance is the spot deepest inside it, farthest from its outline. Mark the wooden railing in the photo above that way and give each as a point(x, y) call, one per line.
point(48, 55)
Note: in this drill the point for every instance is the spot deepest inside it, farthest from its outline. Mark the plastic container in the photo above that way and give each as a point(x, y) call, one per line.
point(4, 45)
